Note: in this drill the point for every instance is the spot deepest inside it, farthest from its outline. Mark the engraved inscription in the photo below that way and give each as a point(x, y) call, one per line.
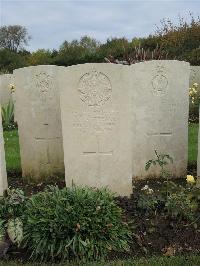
point(44, 104)
point(159, 119)
point(94, 88)
point(95, 121)
point(159, 81)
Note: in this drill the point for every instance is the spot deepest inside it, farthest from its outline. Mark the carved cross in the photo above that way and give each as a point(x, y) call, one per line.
point(99, 152)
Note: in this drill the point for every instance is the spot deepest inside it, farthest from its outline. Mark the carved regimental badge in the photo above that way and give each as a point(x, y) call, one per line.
point(94, 88)
point(159, 82)
point(43, 82)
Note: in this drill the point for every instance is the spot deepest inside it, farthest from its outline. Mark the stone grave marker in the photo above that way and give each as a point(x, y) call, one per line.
point(95, 112)
point(160, 106)
point(39, 123)
point(5, 90)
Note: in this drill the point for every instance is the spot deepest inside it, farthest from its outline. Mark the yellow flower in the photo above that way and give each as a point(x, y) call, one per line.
point(12, 86)
point(190, 179)
point(195, 85)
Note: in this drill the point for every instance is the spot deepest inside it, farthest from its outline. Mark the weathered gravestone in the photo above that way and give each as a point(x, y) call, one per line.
point(160, 114)
point(195, 78)
point(39, 123)
point(194, 75)
point(198, 157)
point(3, 174)
point(5, 90)
point(95, 112)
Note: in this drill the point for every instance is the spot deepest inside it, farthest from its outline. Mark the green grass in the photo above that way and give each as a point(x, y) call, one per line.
point(153, 261)
point(13, 156)
point(12, 151)
point(193, 138)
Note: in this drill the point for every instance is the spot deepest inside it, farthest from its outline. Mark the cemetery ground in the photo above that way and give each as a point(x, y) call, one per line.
point(158, 238)
point(12, 153)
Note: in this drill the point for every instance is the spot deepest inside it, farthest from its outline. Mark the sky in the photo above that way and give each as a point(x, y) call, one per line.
point(51, 22)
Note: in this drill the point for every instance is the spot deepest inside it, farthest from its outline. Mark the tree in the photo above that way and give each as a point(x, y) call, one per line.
point(40, 57)
point(90, 44)
point(78, 52)
point(13, 37)
point(10, 60)
point(180, 38)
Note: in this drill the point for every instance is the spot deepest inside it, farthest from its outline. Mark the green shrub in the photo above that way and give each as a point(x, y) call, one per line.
point(7, 113)
point(12, 204)
point(74, 223)
point(12, 207)
point(180, 206)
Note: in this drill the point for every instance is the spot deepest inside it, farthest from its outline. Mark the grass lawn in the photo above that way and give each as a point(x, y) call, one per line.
point(13, 155)
point(12, 151)
point(193, 138)
point(153, 261)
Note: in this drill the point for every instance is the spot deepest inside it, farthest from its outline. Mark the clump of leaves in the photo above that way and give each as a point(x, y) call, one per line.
point(178, 202)
point(12, 207)
point(74, 223)
point(181, 206)
point(7, 113)
point(162, 160)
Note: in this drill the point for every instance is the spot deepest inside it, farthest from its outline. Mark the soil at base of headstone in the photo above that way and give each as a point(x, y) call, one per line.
point(155, 235)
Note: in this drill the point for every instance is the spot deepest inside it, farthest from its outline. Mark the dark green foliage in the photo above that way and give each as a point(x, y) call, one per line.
point(74, 223)
point(7, 113)
point(13, 37)
point(12, 205)
point(175, 202)
point(170, 41)
point(10, 60)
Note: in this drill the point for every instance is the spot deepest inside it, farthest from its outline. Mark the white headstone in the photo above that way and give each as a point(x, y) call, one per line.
point(39, 122)
point(5, 90)
point(3, 174)
point(198, 157)
point(160, 106)
point(95, 112)
point(194, 75)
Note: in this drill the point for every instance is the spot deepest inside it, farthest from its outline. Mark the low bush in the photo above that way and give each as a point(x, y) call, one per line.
point(173, 201)
point(74, 223)
point(12, 207)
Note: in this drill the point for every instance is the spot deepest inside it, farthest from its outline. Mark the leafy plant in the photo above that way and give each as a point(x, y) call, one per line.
point(161, 160)
point(7, 113)
point(12, 207)
point(74, 223)
point(148, 202)
point(181, 206)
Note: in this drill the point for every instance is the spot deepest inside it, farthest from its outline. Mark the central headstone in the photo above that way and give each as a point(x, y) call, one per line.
point(39, 122)
point(95, 112)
